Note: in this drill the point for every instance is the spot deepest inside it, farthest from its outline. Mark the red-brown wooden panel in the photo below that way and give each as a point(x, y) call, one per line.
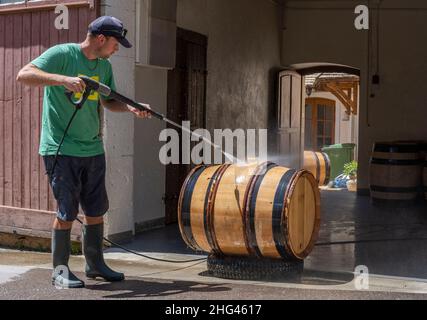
point(17, 112)
point(54, 33)
point(63, 35)
point(35, 116)
point(2, 106)
point(8, 112)
point(26, 116)
point(83, 23)
point(53, 39)
point(73, 32)
point(44, 45)
point(24, 36)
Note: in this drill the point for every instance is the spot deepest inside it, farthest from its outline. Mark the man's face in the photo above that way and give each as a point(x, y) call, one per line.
point(107, 46)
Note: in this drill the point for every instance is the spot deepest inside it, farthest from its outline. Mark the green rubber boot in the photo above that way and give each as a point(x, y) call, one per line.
point(92, 249)
point(62, 277)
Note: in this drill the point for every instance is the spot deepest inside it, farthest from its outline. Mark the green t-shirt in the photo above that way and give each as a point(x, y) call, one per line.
point(84, 136)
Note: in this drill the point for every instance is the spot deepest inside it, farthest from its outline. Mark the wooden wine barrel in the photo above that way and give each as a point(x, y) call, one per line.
point(319, 165)
point(262, 211)
point(395, 172)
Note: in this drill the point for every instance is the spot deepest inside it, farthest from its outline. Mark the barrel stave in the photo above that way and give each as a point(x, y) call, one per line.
point(263, 212)
point(229, 207)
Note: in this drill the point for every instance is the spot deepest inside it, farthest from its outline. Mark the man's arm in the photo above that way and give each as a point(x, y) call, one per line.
point(32, 76)
point(117, 106)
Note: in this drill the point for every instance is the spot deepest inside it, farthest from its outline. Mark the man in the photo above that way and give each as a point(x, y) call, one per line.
point(79, 171)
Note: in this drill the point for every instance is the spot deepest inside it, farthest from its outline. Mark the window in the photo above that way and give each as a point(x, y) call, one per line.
point(319, 123)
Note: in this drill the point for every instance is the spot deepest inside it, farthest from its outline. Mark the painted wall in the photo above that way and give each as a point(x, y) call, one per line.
point(243, 58)
point(119, 131)
point(149, 173)
point(323, 31)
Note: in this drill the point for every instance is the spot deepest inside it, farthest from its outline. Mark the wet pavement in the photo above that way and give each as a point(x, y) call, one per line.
point(32, 285)
point(389, 243)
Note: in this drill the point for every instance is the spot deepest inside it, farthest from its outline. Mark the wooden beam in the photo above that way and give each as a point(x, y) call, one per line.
point(340, 94)
point(355, 98)
point(344, 89)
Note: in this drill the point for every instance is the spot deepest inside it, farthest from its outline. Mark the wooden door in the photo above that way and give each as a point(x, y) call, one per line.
point(186, 102)
point(290, 145)
point(320, 117)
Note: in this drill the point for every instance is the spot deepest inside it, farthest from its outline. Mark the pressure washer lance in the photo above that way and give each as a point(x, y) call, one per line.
point(108, 92)
point(92, 85)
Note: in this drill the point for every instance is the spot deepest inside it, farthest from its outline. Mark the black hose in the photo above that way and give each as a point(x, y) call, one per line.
point(144, 256)
point(52, 170)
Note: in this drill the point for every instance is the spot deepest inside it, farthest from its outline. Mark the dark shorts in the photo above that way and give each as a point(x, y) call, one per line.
point(78, 181)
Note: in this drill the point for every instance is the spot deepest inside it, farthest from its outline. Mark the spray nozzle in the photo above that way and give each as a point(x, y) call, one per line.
point(91, 85)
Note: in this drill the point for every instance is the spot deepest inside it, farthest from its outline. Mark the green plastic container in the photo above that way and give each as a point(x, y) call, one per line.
point(339, 154)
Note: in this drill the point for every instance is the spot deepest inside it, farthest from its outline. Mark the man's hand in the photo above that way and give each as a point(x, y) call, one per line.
point(141, 114)
point(75, 85)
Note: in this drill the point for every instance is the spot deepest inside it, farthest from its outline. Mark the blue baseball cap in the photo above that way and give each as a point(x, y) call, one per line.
point(112, 27)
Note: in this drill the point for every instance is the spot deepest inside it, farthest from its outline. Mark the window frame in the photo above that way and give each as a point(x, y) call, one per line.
point(315, 103)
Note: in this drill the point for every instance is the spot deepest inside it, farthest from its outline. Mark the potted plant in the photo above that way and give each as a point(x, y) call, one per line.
point(350, 170)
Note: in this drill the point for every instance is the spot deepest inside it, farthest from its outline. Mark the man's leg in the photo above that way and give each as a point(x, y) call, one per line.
point(62, 225)
point(90, 221)
point(93, 242)
point(65, 186)
point(62, 277)
point(94, 201)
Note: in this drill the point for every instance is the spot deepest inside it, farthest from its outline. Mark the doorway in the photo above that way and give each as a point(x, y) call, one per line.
point(186, 101)
point(318, 107)
point(332, 106)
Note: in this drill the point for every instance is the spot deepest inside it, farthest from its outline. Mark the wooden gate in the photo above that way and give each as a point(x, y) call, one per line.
point(27, 29)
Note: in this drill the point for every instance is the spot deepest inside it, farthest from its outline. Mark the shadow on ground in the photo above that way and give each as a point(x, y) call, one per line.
point(150, 289)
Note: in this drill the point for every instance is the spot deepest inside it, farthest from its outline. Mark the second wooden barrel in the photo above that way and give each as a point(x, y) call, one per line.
point(256, 210)
point(319, 165)
point(395, 172)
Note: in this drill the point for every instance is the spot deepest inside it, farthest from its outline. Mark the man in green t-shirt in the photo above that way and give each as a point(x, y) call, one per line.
point(77, 175)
